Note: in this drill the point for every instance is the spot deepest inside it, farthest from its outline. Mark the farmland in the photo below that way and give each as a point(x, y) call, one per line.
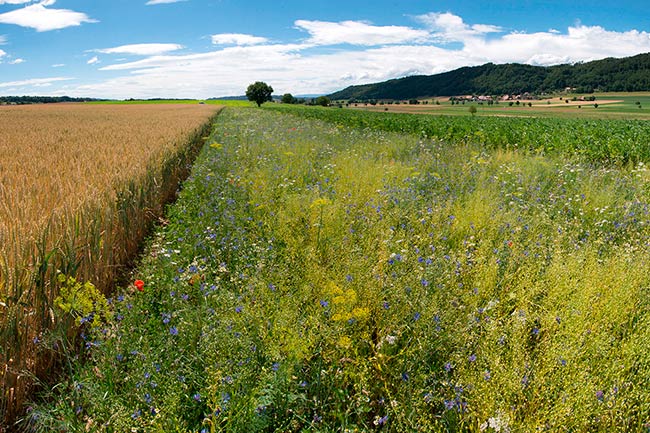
point(79, 188)
point(382, 273)
point(635, 105)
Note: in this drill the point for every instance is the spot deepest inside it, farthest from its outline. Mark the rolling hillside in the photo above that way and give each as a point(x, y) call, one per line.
point(626, 74)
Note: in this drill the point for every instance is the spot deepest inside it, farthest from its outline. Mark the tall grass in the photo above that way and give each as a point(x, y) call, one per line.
point(314, 277)
point(597, 140)
point(79, 188)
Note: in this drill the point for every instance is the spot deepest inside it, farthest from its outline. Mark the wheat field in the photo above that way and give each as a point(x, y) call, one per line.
point(79, 186)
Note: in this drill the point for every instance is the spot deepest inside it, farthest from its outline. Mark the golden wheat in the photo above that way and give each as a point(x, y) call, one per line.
point(78, 186)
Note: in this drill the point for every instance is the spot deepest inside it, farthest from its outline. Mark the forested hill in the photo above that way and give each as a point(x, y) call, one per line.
point(627, 74)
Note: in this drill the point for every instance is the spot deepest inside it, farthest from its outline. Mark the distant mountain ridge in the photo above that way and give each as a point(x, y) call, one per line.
point(629, 74)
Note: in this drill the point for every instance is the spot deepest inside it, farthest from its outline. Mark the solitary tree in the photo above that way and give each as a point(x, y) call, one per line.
point(259, 92)
point(472, 110)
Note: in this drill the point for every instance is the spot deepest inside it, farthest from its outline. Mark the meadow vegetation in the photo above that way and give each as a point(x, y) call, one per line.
point(324, 277)
point(79, 188)
point(611, 141)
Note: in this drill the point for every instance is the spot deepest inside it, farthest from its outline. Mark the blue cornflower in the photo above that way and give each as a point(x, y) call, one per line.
point(382, 420)
point(239, 309)
point(324, 303)
point(173, 330)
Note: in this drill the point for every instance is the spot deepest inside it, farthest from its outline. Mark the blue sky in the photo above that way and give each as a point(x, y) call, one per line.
point(207, 48)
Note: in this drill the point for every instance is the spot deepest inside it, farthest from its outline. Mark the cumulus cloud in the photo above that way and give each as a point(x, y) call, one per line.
point(447, 27)
point(141, 49)
point(14, 2)
point(16, 61)
point(237, 39)
point(2, 54)
point(358, 33)
point(41, 18)
point(93, 60)
point(379, 53)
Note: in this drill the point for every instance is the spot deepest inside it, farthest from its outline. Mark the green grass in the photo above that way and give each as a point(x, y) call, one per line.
point(317, 277)
point(599, 140)
point(625, 109)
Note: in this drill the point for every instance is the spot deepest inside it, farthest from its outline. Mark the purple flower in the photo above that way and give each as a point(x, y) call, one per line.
point(416, 317)
point(471, 358)
point(173, 330)
point(324, 303)
point(448, 367)
point(600, 395)
point(276, 366)
point(197, 397)
point(386, 305)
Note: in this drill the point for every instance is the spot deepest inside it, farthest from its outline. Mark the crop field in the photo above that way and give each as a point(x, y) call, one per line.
point(79, 186)
point(634, 105)
point(339, 277)
point(611, 141)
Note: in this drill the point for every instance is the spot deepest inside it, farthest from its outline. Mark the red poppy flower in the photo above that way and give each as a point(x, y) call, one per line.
point(139, 284)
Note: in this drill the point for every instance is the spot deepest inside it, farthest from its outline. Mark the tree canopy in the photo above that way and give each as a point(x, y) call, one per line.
point(259, 92)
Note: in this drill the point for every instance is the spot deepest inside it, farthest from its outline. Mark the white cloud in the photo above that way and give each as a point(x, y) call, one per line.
point(2, 53)
point(141, 49)
point(358, 33)
point(17, 61)
point(93, 60)
point(237, 39)
point(58, 65)
point(380, 54)
point(41, 18)
point(34, 82)
point(3, 39)
point(448, 27)
point(160, 2)
point(13, 2)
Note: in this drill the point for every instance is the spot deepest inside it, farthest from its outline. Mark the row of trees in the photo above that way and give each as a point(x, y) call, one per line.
point(260, 92)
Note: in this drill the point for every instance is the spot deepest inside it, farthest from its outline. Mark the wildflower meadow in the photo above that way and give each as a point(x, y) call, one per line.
point(322, 277)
